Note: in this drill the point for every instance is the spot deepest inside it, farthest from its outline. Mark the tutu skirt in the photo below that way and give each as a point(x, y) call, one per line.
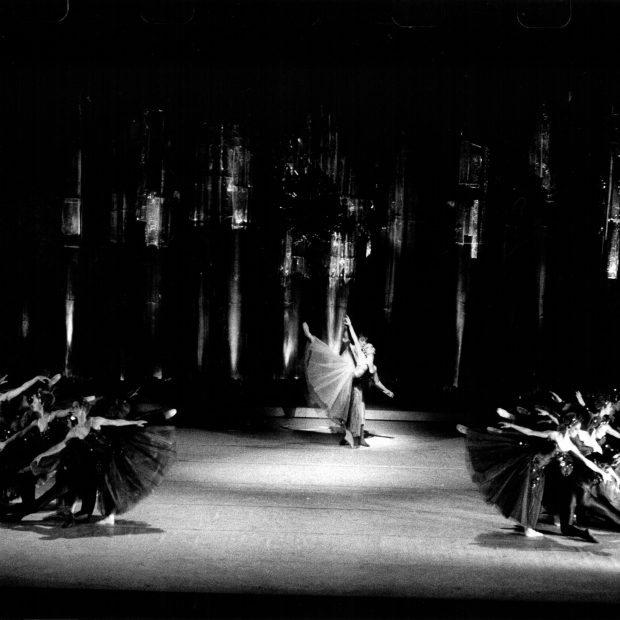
point(137, 460)
point(124, 464)
point(509, 470)
point(329, 379)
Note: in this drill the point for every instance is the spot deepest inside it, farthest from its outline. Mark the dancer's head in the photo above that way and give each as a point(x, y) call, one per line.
point(570, 423)
point(368, 348)
point(80, 410)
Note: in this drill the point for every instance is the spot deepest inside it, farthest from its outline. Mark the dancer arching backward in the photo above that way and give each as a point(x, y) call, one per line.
point(338, 382)
point(510, 468)
point(97, 458)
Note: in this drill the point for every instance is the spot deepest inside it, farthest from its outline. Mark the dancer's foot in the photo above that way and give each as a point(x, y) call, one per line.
point(348, 437)
point(529, 532)
point(571, 530)
point(306, 329)
point(107, 520)
point(364, 443)
point(170, 414)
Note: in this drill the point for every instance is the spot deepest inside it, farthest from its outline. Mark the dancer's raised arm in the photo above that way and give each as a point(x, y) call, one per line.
point(354, 338)
point(11, 394)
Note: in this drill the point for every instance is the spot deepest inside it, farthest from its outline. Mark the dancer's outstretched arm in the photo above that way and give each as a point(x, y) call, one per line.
point(97, 422)
point(377, 383)
point(11, 394)
point(528, 431)
point(573, 449)
point(59, 447)
point(610, 430)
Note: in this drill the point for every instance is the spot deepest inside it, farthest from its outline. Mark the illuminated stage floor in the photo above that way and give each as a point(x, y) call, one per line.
point(280, 521)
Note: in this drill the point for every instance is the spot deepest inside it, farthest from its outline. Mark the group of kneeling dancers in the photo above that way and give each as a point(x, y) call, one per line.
point(551, 458)
point(80, 453)
point(546, 458)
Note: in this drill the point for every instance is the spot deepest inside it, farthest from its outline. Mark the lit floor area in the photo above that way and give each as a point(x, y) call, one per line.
point(278, 520)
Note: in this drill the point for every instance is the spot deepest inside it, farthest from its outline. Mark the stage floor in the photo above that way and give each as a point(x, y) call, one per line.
point(278, 520)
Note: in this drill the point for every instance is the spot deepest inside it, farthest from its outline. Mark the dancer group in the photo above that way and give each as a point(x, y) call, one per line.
point(337, 381)
point(551, 459)
point(86, 452)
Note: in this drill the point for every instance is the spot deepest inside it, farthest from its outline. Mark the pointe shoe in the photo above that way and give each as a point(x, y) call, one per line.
point(362, 440)
point(588, 537)
point(107, 520)
point(348, 437)
point(170, 414)
point(571, 530)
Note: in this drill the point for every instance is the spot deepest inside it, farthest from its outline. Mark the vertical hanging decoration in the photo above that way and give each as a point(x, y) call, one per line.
point(323, 217)
point(235, 191)
point(473, 182)
point(294, 268)
point(152, 209)
point(200, 216)
point(345, 247)
point(120, 211)
point(539, 159)
point(71, 229)
point(611, 224)
point(295, 255)
point(153, 213)
point(395, 232)
point(224, 196)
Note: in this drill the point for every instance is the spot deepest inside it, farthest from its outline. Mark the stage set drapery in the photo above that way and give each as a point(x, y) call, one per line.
point(176, 204)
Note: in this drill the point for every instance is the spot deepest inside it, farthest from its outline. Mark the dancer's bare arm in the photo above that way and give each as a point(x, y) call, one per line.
point(377, 383)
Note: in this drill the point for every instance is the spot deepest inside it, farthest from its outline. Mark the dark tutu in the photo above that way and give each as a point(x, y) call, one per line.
point(509, 469)
point(136, 462)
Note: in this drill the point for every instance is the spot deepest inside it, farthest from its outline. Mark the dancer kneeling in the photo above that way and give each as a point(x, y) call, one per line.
point(509, 464)
point(98, 458)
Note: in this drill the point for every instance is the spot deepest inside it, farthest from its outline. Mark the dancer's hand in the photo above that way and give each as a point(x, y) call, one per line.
point(389, 393)
point(140, 423)
point(347, 321)
point(607, 477)
point(34, 466)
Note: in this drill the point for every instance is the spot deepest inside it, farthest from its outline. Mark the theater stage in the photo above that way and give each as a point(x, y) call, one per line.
point(277, 520)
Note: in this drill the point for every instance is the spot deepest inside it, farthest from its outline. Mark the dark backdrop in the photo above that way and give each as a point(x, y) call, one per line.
point(397, 77)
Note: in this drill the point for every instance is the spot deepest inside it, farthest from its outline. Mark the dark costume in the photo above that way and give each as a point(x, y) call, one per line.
point(16, 457)
point(120, 464)
point(509, 469)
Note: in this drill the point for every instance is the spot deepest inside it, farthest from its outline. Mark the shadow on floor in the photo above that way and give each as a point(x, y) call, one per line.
point(511, 538)
point(51, 529)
